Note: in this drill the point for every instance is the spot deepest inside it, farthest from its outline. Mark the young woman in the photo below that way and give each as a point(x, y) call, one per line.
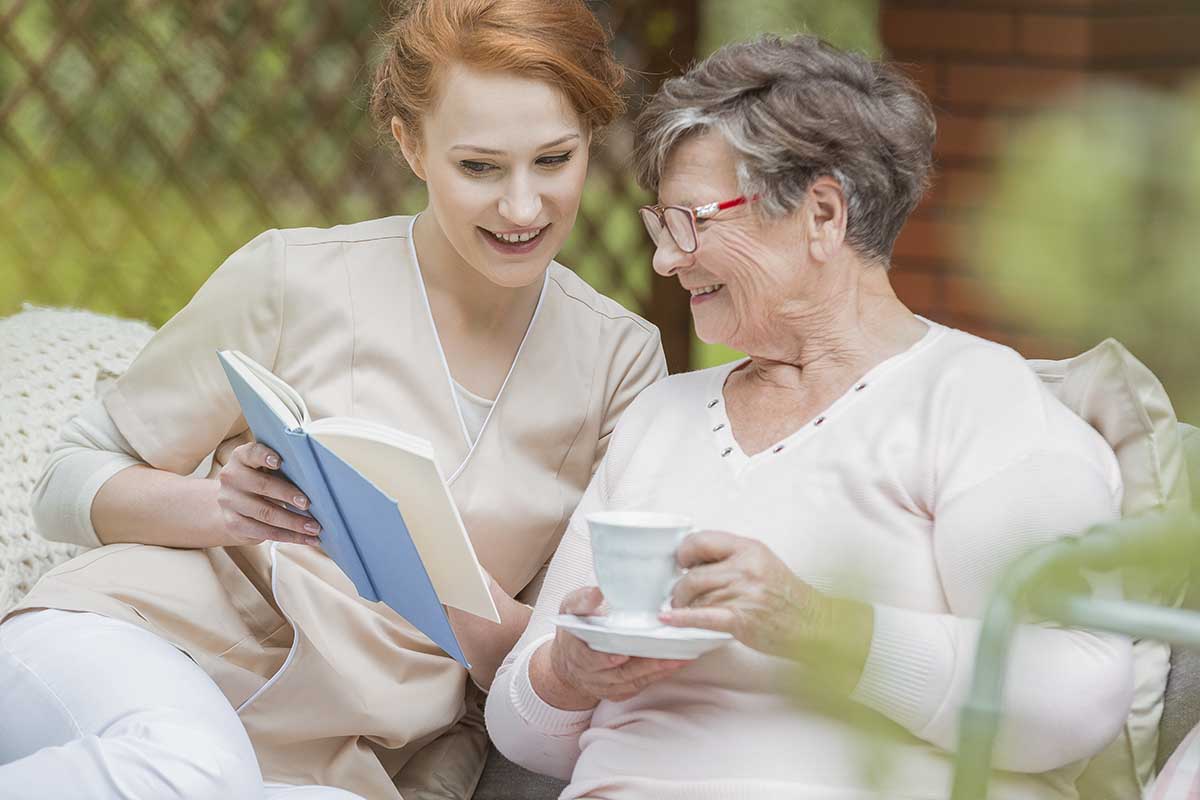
point(218, 651)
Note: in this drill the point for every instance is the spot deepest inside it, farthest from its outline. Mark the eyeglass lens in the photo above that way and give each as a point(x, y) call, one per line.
point(678, 225)
point(679, 222)
point(653, 225)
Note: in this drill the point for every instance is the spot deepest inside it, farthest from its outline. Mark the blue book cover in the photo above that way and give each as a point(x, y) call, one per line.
point(413, 566)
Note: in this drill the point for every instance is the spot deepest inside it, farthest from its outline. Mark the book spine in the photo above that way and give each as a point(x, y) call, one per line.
point(348, 545)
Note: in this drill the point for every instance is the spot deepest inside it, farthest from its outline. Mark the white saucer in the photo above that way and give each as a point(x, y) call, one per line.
point(664, 641)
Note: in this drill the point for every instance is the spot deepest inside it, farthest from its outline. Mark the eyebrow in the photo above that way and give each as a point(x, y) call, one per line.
point(491, 152)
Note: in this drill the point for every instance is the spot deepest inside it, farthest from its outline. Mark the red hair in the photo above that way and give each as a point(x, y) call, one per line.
point(557, 41)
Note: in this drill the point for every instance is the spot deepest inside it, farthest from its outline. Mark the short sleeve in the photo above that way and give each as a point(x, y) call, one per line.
point(639, 362)
point(174, 404)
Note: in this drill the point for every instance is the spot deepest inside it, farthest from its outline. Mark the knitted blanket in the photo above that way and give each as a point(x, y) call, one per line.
point(50, 362)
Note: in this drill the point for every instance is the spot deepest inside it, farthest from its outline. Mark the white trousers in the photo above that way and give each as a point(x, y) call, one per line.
point(96, 708)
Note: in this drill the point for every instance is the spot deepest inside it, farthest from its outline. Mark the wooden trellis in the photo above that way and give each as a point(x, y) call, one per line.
point(141, 141)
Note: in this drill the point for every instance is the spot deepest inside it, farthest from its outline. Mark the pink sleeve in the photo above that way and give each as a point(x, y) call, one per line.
point(1067, 691)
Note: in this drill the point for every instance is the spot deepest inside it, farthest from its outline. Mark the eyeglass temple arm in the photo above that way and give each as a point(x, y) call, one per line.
point(713, 208)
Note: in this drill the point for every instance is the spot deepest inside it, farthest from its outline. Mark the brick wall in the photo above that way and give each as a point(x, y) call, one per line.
point(985, 64)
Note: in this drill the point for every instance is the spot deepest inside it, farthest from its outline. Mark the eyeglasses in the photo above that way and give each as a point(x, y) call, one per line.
point(679, 222)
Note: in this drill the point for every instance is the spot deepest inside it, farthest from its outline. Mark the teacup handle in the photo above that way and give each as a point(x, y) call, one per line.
point(679, 571)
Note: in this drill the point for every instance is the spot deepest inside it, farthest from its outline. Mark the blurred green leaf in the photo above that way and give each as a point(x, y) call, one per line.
point(1090, 229)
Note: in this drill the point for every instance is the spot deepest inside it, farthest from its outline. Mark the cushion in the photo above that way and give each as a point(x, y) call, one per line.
point(1180, 778)
point(1123, 400)
point(49, 361)
point(449, 767)
point(504, 780)
point(1191, 448)
point(1128, 406)
point(1181, 701)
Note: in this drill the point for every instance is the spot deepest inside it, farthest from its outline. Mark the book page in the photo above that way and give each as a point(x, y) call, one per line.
point(277, 387)
point(409, 476)
point(365, 429)
point(264, 385)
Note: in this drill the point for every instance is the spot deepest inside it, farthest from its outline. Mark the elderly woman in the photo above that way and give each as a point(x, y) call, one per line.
point(859, 480)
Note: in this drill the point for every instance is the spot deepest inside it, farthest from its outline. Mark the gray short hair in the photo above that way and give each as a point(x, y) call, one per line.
point(797, 108)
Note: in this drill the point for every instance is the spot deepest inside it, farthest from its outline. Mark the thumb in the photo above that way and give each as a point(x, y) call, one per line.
point(582, 602)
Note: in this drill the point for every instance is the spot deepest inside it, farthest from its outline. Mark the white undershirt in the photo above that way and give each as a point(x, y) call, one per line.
point(475, 409)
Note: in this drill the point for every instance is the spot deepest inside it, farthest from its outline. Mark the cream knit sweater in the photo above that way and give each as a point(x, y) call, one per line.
point(911, 492)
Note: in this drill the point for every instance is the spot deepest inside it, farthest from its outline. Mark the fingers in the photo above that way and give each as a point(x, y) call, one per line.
point(713, 618)
point(637, 672)
point(257, 456)
point(246, 473)
point(582, 602)
point(641, 678)
point(699, 582)
point(252, 530)
point(706, 547)
point(582, 659)
point(611, 676)
point(255, 508)
point(252, 495)
point(608, 669)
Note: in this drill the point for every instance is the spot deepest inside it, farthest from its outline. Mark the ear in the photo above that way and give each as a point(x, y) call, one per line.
point(410, 148)
point(825, 218)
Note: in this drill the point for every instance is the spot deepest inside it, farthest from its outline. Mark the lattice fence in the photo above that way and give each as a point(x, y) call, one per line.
point(141, 141)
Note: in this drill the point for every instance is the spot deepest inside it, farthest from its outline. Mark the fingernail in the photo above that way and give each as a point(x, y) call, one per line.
point(312, 527)
point(300, 501)
point(272, 461)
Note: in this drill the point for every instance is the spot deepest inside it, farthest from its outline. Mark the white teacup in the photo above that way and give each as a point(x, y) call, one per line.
point(633, 553)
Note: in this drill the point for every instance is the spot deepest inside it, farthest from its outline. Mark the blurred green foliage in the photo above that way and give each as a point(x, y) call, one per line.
point(1091, 228)
point(143, 142)
point(849, 24)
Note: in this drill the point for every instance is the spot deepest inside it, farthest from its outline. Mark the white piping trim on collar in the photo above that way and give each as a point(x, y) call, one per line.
point(412, 248)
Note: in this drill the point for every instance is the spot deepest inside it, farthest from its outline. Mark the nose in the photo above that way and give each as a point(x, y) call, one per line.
point(669, 259)
point(521, 203)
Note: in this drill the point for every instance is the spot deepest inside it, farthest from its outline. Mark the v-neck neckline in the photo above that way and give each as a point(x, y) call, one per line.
point(722, 430)
point(448, 375)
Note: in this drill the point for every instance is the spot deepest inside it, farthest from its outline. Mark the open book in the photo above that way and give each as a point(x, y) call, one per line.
point(386, 515)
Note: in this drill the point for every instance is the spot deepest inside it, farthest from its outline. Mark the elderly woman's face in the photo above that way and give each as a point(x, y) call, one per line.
point(743, 270)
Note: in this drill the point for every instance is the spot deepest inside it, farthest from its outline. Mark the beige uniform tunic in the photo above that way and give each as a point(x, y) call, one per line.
point(333, 689)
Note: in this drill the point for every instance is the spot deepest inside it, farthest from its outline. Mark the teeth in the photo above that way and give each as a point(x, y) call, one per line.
point(706, 289)
point(517, 238)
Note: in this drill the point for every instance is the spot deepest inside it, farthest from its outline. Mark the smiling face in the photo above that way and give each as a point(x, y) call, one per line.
point(504, 159)
point(751, 278)
point(744, 271)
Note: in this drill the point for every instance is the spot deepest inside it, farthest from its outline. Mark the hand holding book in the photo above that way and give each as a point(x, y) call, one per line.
point(387, 517)
point(253, 499)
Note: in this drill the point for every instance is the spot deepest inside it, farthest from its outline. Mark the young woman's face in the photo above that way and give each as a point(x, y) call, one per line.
point(504, 159)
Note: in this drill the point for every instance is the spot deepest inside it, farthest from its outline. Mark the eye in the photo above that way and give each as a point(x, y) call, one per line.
point(476, 167)
point(555, 160)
